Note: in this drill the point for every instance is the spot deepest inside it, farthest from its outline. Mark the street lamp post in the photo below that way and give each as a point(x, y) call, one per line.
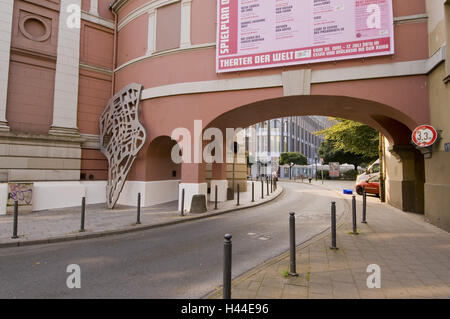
point(290, 170)
point(321, 168)
point(315, 159)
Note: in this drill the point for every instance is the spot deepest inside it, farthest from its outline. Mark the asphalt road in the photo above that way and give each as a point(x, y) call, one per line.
point(180, 261)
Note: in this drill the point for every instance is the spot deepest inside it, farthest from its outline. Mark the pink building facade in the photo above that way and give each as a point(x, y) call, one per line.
point(57, 80)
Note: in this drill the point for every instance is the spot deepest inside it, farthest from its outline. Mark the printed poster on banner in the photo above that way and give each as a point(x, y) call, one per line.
point(334, 169)
point(255, 34)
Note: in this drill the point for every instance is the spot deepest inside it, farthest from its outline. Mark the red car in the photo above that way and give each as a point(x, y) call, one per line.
point(372, 186)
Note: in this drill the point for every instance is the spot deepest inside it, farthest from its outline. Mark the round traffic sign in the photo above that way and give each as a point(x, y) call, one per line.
point(424, 136)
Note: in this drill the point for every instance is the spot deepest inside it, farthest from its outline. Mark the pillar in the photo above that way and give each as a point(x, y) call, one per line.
point(151, 37)
point(6, 16)
point(65, 104)
point(193, 182)
point(185, 35)
point(405, 178)
point(219, 178)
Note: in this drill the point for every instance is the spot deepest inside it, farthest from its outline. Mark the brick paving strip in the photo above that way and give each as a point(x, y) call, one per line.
point(58, 225)
point(414, 258)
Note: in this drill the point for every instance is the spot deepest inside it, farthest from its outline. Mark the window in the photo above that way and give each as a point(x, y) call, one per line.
point(168, 27)
point(375, 179)
point(375, 169)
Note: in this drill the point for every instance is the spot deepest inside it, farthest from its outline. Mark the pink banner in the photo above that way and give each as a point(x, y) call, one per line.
point(255, 34)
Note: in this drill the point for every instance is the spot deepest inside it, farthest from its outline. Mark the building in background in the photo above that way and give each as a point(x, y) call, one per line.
point(266, 141)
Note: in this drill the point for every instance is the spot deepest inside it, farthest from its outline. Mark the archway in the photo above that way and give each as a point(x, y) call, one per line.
point(404, 172)
point(160, 165)
point(159, 175)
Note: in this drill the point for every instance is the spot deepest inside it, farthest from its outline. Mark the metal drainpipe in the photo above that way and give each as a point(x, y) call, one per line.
point(113, 78)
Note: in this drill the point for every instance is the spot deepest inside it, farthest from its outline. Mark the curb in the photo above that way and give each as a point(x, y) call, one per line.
point(131, 229)
point(306, 243)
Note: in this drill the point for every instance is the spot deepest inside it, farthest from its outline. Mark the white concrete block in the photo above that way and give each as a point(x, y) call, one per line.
point(49, 195)
point(95, 191)
point(222, 186)
point(152, 193)
point(191, 189)
point(3, 198)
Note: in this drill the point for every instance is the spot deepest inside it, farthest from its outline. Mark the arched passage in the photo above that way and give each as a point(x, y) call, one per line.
point(393, 124)
point(159, 175)
point(160, 166)
point(404, 164)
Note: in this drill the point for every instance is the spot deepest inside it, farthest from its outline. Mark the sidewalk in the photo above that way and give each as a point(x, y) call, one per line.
point(414, 257)
point(63, 224)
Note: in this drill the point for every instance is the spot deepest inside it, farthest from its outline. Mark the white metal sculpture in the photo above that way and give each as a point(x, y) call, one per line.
point(122, 137)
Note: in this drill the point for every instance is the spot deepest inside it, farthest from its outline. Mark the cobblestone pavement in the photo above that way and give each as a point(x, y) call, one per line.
point(65, 222)
point(413, 255)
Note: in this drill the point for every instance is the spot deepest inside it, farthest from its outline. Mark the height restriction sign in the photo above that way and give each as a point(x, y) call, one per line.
point(424, 136)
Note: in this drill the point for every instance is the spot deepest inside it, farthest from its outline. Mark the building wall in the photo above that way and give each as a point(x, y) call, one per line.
point(437, 168)
point(48, 115)
point(34, 38)
point(46, 107)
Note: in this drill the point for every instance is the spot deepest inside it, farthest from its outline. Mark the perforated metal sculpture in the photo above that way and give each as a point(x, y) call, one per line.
point(122, 137)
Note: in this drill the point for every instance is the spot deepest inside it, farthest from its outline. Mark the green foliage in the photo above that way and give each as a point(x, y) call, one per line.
point(295, 158)
point(326, 174)
point(350, 175)
point(330, 153)
point(353, 137)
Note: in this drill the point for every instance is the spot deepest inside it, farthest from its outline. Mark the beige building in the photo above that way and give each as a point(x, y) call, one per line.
point(437, 168)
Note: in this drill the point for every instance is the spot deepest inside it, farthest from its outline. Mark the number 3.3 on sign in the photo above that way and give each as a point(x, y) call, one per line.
point(424, 136)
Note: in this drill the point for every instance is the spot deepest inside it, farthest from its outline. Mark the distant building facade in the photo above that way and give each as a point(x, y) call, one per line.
point(266, 141)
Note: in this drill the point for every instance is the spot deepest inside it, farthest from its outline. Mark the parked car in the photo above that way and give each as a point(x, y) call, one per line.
point(371, 185)
point(371, 171)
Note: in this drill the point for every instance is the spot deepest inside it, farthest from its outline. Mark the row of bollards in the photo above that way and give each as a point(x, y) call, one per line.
point(83, 215)
point(354, 220)
point(272, 189)
point(292, 243)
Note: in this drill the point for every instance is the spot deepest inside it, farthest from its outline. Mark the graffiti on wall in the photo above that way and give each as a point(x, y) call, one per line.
point(21, 192)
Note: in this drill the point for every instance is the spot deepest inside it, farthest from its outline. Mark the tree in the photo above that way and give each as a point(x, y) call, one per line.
point(294, 158)
point(330, 153)
point(353, 137)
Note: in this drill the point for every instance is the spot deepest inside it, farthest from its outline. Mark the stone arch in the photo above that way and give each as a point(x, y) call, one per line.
point(160, 166)
point(406, 188)
point(393, 124)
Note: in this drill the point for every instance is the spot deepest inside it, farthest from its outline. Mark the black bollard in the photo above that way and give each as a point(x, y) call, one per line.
point(182, 202)
point(267, 186)
point(215, 197)
point(364, 207)
point(253, 192)
point(262, 189)
point(333, 226)
point(138, 218)
point(16, 220)
point(292, 270)
point(227, 247)
point(271, 185)
point(354, 214)
point(238, 192)
point(83, 213)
